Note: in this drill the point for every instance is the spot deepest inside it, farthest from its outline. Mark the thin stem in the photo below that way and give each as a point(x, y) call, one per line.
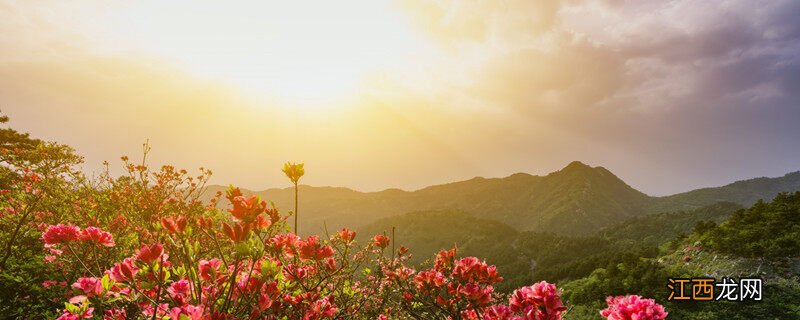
point(79, 260)
point(160, 286)
point(295, 208)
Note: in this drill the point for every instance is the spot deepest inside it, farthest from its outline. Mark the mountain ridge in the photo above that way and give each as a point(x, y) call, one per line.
point(576, 200)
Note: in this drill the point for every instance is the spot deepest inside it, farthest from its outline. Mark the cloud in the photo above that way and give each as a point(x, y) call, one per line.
point(669, 95)
point(679, 85)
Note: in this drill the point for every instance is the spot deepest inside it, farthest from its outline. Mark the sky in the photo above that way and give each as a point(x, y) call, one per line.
point(668, 95)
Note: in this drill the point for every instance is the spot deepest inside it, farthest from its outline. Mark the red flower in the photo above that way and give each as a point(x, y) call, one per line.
point(60, 234)
point(428, 280)
point(172, 225)
point(312, 249)
point(399, 274)
point(97, 235)
point(273, 215)
point(285, 244)
point(381, 241)
point(124, 271)
point(445, 260)
point(330, 264)
point(346, 235)
point(245, 209)
point(148, 254)
point(633, 307)
point(322, 308)
point(205, 222)
point(471, 269)
point(238, 232)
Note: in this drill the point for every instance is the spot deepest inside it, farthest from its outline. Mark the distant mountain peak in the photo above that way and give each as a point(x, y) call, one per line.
point(576, 165)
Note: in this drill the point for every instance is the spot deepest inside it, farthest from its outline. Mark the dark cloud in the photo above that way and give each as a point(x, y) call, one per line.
point(702, 88)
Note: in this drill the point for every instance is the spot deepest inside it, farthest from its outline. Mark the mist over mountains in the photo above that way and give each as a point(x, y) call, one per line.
point(576, 200)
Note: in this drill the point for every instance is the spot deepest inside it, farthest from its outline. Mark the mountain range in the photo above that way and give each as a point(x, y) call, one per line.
point(576, 200)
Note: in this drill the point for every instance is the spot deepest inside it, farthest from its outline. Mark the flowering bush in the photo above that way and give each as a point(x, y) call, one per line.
point(142, 246)
point(254, 268)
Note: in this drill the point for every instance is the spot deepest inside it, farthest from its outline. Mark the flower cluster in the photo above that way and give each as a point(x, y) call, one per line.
point(64, 234)
point(633, 307)
point(174, 258)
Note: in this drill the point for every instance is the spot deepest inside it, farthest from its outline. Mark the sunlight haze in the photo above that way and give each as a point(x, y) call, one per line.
point(380, 94)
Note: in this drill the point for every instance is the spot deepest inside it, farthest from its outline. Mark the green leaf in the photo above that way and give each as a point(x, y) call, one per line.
point(71, 308)
point(105, 281)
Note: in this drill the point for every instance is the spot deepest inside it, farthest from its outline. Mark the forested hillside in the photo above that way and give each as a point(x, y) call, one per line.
point(577, 200)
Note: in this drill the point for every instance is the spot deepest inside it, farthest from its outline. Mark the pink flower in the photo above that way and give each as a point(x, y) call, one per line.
point(633, 307)
point(89, 286)
point(208, 268)
point(179, 290)
point(69, 316)
point(60, 234)
point(498, 312)
point(539, 301)
point(190, 311)
point(161, 311)
point(476, 294)
point(47, 283)
point(115, 314)
point(97, 235)
point(179, 287)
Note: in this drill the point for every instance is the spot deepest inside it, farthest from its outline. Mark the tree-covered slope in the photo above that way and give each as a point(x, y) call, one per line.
point(765, 230)
point(575, 200)
point(578, 200)
point(744, 192)
point(427, 232)
point(762, 241)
